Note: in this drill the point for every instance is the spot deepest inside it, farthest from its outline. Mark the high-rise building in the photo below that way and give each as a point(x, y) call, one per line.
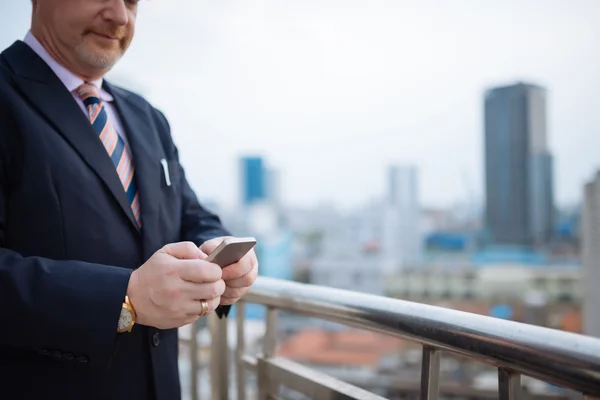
point(254, 180)
point(590, 235)
point(260, 183)
point(402, 239)
point(274, 186)
point(403, 186)
point(518, 166)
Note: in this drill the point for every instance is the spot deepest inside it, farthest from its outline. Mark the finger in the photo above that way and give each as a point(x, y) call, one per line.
point(183, 250)
point(229, 301)
point(207, 290)
point(191, 291)
point(199, 271)
point(240, 268)
point(242, 281)
point(195, 307)
point(234, 292)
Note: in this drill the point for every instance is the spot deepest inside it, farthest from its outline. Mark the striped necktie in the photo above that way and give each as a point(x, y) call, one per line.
point(114, 145)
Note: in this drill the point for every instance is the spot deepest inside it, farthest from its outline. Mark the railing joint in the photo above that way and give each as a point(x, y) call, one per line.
point(430, 373)
point(509, 384)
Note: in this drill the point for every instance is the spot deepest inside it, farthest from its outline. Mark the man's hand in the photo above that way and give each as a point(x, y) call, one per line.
point(238, 277)
point(166, 291)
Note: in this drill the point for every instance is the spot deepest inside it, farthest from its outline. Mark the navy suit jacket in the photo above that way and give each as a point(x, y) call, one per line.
point(69, 242)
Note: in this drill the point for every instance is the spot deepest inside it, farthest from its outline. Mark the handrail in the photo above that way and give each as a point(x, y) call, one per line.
point(563, 358)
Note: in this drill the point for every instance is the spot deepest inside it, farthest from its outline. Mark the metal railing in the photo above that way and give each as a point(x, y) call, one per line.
point(565, 359)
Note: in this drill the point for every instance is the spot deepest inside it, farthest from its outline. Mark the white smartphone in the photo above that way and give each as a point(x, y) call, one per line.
point(231, 250)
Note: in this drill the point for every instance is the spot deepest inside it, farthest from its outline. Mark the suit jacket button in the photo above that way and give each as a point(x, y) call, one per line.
point(56, 354)
point(68, 356)
point(155, 340)
point(82, 359)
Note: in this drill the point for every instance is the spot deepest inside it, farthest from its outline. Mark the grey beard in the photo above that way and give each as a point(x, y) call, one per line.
point(93, 59)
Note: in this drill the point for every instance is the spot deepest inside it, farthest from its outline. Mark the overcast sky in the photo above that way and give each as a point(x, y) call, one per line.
point(332, 91)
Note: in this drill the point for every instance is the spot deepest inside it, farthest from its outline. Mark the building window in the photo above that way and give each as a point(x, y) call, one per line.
point(565, 298)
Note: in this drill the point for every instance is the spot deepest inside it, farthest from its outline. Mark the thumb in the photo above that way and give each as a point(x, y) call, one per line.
point(202, 255)
point(210, 245)
point(184, 251)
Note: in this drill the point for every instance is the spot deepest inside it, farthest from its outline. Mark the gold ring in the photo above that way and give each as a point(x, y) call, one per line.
point(204, 308)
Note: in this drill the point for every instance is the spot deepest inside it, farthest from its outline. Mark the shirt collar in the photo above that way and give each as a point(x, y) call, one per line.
point(69, 79)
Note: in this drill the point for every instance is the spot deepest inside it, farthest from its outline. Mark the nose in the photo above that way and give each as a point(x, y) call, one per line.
point(117, 12)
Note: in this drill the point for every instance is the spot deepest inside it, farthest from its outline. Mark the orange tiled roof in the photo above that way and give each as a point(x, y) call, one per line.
point(356, 348)
point(572, 322)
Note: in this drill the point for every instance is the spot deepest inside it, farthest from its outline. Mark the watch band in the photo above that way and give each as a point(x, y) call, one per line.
point(128, 302)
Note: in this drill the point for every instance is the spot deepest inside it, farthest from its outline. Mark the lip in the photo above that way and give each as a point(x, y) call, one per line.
point(105, 37)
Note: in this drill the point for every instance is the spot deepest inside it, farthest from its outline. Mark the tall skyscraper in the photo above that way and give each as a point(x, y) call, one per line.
point(402, 239)
point(518, 166)
point(403, 186)
point(254, 180)
point(274, 186)
point(590, 236)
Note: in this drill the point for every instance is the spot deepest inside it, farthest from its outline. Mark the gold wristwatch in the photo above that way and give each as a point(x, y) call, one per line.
point(127, 318)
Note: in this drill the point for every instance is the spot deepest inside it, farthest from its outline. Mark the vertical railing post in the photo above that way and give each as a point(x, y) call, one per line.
point(219, 358)
point(430, 373)
point(267, 388)
point(240, 371)
point(194, 365)
point(509, 384)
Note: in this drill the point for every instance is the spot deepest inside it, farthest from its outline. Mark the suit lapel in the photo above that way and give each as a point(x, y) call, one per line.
point(47, 93)
point(146, 155)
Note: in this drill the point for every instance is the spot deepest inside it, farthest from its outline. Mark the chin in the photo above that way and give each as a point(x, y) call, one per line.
point(98, 58)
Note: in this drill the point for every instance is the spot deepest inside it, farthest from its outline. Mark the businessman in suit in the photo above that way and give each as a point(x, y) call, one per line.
point(102, 240)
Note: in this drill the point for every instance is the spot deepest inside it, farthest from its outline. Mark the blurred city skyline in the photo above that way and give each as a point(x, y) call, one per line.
point(332, 92)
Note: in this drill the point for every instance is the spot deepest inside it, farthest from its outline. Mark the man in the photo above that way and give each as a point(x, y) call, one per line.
point(102, 240)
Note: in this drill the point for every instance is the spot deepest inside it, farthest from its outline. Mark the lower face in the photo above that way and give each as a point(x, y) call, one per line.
point(99, 51)
point(80, 27)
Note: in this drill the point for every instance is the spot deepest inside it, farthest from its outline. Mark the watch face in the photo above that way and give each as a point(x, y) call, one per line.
point(125, 319)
